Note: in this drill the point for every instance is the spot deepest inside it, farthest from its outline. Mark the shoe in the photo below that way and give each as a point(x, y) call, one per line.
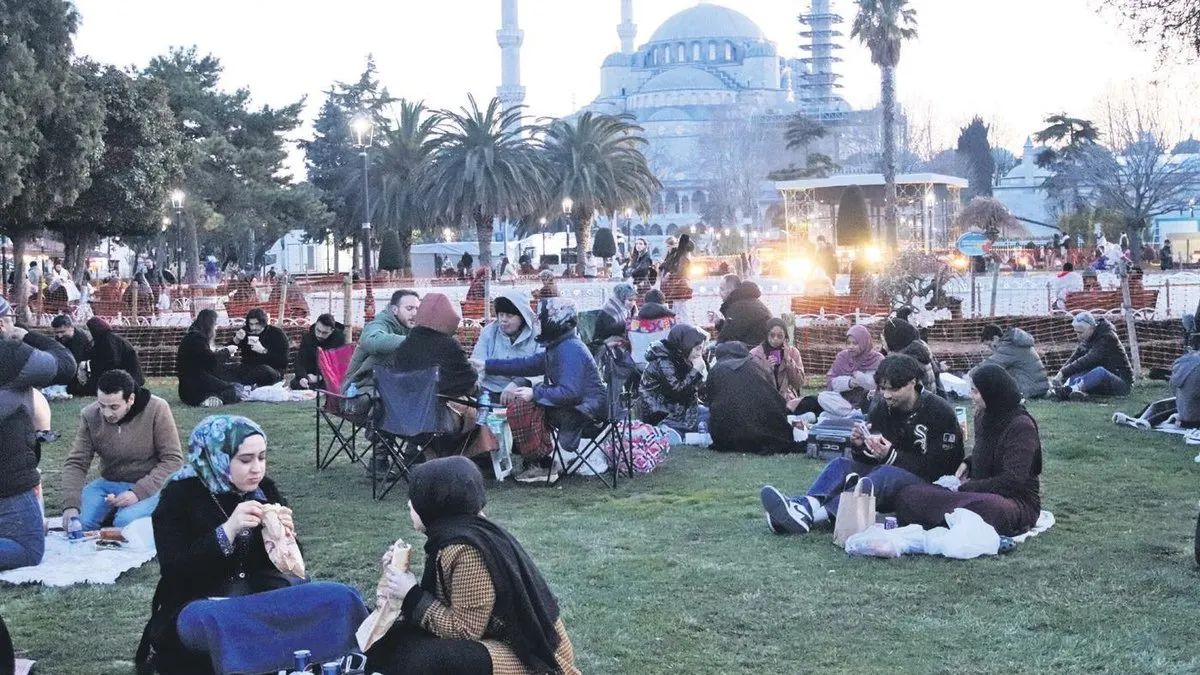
point(537, 474)
point(788, 515)
point(1062, 393)
point(775, 527)
point(1192, 437)
point(1077, 395)
point(212, 402)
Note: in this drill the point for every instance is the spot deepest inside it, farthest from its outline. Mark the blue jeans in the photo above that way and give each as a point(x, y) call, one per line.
point(94, 511)
point(1099, 381)
point(22, 532)
point(888, 480)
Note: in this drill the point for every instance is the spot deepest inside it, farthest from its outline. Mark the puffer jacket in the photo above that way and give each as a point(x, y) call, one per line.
point(1016, 355)
point(1185, 387)
point(572, 378)
point(746, 316)
point(669, 390)
point(492, 344)
point(1102, 349)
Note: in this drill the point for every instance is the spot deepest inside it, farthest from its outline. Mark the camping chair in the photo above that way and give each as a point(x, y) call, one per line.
point(602, 433)
point(414, 417)
point(643, 333)
point(330, 404)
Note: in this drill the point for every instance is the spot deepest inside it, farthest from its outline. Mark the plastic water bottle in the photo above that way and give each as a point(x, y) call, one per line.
point(75, 530)
point(352, 390)
point(702, 427)
point(485, 408)
point(302, 659)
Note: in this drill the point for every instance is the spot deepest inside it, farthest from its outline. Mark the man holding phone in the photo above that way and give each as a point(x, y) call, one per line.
point(911, 436)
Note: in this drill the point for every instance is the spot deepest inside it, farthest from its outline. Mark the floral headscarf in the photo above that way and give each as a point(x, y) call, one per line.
point(213, 443)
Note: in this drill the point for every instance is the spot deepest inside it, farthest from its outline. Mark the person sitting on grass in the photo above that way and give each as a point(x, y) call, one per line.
point(202, 369)
point(746, 413)
point(745, 314)
point(782, 360)
point(901, 337)
point(1099, 366)
point(912, 436)
point(655, 307)
point(325, 333)
point(481, 605)
point(1000, 480)
point(263, 349)
point(510, 336)
point(221, 605)
point(668, 394)
point(571, 398)
point(1013, 351)
point(109, 352)
point(135, 436)
point(850, 379)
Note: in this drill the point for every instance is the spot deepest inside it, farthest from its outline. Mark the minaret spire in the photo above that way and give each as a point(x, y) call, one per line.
point(627, 30)
point(510, 37)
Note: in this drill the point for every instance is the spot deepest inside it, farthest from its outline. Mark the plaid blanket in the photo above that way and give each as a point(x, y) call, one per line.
point(531, 433)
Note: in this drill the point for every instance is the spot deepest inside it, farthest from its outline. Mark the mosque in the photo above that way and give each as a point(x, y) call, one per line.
point(705, 66)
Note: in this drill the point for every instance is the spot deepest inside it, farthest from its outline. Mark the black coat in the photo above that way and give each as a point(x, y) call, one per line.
point(746, 316)
point(425, 348)
point(746, 413)
point(276, 343)
point(669, 390)
point(193, 566)
point(110, 352)
point(79, 344)
point(607, 326)
point(201, 371)
point(35, 362)
point(642, 269)
point(1102, 348)
point(306, 355)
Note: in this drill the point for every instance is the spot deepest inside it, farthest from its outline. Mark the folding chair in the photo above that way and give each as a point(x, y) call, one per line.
point(330, 402)
point(414, 417)
point(606, 432)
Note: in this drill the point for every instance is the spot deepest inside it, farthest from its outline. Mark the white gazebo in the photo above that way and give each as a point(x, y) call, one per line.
point(928, 205)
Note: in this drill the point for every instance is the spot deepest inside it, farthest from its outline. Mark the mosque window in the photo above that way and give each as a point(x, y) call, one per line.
point(666, 54)
point(695, 51)
point(712, 51)
point(681, 52)
point(728, 52)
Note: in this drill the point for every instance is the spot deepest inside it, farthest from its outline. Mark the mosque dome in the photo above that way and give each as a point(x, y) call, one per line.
point(677, 79)
point(707, 21)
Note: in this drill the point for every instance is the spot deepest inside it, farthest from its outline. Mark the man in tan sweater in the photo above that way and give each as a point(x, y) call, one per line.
point(134, 433)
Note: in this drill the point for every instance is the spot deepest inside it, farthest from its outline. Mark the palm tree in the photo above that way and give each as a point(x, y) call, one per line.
point(883, 26)
point(597, 163)
point(482, 165)
point(406, 150)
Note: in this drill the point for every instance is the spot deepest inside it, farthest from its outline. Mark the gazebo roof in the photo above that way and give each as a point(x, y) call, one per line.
point(870, 179)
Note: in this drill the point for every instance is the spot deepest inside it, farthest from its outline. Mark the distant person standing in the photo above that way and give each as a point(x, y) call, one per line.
point(1166, 257)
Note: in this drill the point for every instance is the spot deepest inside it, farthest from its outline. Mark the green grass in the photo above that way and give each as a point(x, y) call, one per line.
point(676, 573)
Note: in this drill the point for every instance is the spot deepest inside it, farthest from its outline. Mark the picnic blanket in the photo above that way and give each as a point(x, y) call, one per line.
point(66, 564)
point(280, 393)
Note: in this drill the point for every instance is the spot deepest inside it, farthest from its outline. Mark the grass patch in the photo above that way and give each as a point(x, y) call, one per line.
point(676, 573)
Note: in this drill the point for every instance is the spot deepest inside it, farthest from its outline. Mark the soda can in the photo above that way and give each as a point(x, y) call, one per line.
point(889, 523)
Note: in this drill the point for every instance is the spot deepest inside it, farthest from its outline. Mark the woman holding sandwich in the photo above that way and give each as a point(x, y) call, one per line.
point(223, 604)
point(481, 605)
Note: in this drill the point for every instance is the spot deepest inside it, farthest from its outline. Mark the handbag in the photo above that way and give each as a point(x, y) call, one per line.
point(856, 512)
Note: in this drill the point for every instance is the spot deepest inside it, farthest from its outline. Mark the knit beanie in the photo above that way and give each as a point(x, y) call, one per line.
point(1084, 319)
point(437, 312)
point(898, 334)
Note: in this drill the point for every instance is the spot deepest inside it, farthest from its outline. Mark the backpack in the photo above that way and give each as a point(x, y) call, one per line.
point(649, 447)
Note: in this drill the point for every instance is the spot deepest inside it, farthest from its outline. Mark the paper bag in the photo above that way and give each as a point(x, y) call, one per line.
point(376, 624)
point(281, 543)
point(856, 512)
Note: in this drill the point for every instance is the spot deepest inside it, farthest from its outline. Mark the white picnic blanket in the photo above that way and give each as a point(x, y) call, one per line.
point(1044, 522)
point(66, 564)
point(280, 393)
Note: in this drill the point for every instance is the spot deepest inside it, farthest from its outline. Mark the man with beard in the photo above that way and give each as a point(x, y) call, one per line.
point(325, 333)
point(744, 315)
point(911, 436)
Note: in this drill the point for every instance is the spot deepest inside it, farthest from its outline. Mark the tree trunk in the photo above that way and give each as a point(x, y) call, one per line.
point(484, 229)
point(20, 269)
point(581, 221)
point(887, 92)
point(406, 238)
point(75, 244)
point(1133, 228)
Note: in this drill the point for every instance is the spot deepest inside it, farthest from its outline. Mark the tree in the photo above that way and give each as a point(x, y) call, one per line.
point(597, 163)
point(989, 216)
point(1069, 140)
point(976, 149)
point(802, 131)
point(390, 258)
point(883, 26)
point(853, 225)
point(736, 155)
point(1004, 161)
point(1170, 24)
point(482, 166)
point(405, 152)
point(141, 161)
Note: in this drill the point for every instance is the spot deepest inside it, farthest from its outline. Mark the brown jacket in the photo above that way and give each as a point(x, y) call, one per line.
point(143, 448)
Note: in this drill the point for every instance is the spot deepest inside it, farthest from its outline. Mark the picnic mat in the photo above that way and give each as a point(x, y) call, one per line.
point(280, 393)
point(66, 564)
point(1044, 522)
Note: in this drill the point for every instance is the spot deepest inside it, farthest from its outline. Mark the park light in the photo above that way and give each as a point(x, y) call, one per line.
point(872, 254)
point(448, 234)
point(542, 222)
point(798, 268)
point(629, 213)
point(693, 229)
point(363, 131)
point(727, 232)
point(697, 271)
point(567, 205)
point(165, 223)
point(959, 262)
point(177, 199)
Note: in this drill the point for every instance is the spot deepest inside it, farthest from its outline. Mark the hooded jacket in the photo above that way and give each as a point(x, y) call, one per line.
point(1185, 387)
point(746, 316)
point(1016, 355)
point(36, 361)
point(746, 413)
point(110, 352)
point(572, 378)
point(377, 346)
point(432, 343)
point(142, 448)
point(670, 385)
point(306, 355)
point(1101, 349)
point(494, 344)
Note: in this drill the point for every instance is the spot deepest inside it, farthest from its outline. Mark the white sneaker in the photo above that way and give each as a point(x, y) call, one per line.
point(212, 402)
point(537, 474)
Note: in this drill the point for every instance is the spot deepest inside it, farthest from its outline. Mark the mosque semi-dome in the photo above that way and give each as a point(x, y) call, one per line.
point(707, 21)
point(678, 79)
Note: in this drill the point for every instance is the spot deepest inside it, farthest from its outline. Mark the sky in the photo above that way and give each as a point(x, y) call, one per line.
point(1011, 62)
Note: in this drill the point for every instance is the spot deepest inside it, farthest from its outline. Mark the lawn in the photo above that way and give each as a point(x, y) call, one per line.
point(676, 572)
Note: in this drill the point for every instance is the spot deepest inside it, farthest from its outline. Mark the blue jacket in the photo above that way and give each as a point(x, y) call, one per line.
point(572, 379)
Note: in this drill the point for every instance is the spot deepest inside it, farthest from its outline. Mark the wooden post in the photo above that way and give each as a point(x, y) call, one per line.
point(995, 287)
point(1049, 298)
point(283, 291)
point(347, 315)
point(1134, 352)
point(1167, 290)
point(133, 285)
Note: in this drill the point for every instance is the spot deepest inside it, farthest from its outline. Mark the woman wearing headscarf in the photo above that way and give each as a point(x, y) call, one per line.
point(850, 379)
point(204, 377)
point(221, 605)
point(782, 360)
point(481, 605)
point(901, 337)
point(613, 321)
point(670, 386)
point(746, 413)
point(1001, 478)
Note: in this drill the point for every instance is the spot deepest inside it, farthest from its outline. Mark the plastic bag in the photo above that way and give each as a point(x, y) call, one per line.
point(276, 393)
point(877, 542)
point(949, 482)
point(967, 537)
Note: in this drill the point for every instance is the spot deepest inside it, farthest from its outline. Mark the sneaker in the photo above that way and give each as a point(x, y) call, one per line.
point(1077, 395)
point(790, 516)
point(537, 474)
point(1062, 393)
point(212, 402)
point(775, 527)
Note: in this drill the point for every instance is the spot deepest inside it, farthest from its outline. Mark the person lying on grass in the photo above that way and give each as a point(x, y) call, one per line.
point(482, 605)
point(912, 437)
point(1000, 480)
point(222, 605)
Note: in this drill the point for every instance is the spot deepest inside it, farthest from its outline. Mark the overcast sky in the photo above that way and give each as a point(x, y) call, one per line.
point(1012, 61)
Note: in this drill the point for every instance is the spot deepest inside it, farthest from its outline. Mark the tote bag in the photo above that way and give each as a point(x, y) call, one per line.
point(856, 512)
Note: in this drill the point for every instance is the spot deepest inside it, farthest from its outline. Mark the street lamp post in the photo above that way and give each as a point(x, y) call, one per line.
point(567, 205)
point(177, 204)
point(628, 227)
point(542, 223)
point(363, 134)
